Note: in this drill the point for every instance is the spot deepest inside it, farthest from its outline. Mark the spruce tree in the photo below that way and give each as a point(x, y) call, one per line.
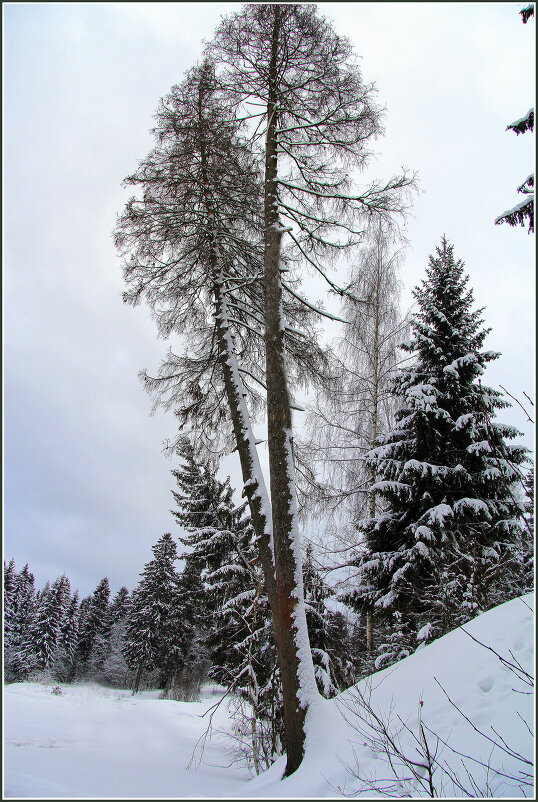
point(119, 606)
point(236, 627)
point(117, 612)
point(17, 626)
point(10, 585)
point(108, 661)
point(44, 634)
point(446, 547)
point(220, 540)
point(185, 658)
point(148, 638)
point(68, 640)
point(327, 632)
point(93, 621)
point(523, 212)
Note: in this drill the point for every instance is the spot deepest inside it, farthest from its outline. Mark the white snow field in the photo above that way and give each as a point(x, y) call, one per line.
point(102, 743)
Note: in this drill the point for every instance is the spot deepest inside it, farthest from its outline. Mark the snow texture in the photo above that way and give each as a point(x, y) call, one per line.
point(424, 633)
point(439, 513)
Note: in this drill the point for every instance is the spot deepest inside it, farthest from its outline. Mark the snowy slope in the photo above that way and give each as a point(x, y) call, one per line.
point(476, 681)
point(103, 743)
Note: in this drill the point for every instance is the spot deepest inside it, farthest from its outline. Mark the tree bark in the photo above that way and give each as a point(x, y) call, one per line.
point(253, 483)
point(254, 487)
point(138, 677)
point(369, 631)
point(290, 613)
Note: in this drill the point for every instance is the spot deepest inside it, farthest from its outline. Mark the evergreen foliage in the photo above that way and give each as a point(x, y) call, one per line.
point(149, 639)
point(92, 632)
point(10, 585)
point(236, 627)
point(68, 640)
point(327, 632)
point(446, 547)
point(44, 634)
point(220, 540)
point(188, 661)
point(119, 607)
point(20, 612)
point(523, 212)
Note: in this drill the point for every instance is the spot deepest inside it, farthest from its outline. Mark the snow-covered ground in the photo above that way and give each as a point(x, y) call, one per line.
point(96, 742)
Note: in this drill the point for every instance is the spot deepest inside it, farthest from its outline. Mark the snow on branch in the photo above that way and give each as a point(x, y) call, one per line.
point(525, 123)
point(527, 12)
point(527, 186)
point(519, 214)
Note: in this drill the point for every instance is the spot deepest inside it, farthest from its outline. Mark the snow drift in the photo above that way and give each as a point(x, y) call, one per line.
point(97, 742)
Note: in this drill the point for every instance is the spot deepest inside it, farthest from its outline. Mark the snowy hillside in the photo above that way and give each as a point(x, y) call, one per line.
point(97, 742)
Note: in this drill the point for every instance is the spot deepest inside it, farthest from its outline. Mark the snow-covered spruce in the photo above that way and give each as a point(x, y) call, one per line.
point(92, 626)
point(236, 621)
point(19, 613)
point(151, 642)
point(43, 635)
point(327, 632)
point(449, 544)
point(523, 212)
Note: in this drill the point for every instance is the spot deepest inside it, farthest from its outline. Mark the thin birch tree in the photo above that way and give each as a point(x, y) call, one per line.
point(345, 423)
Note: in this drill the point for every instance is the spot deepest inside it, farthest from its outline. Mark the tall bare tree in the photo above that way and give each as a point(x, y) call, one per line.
point(294, 80)
point(194, 254)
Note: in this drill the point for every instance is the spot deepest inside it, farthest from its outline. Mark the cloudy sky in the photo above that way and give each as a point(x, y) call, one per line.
point(86, 487)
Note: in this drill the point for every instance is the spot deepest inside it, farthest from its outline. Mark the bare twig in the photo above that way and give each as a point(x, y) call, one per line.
point(519, 402)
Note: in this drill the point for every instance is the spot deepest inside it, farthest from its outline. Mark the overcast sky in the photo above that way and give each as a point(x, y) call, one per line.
point(86, 487)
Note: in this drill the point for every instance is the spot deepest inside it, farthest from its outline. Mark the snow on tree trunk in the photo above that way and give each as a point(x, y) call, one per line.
point(254, 484)
point(297, 669)
point(253, 481)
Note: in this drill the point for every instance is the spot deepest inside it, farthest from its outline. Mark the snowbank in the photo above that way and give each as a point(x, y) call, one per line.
point(97, 742)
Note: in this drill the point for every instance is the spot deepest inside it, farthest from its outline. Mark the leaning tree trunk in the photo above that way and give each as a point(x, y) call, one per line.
point(253, 481)
point(295, 658)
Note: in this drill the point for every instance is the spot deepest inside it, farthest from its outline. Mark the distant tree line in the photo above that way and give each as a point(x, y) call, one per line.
point(178, 628)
